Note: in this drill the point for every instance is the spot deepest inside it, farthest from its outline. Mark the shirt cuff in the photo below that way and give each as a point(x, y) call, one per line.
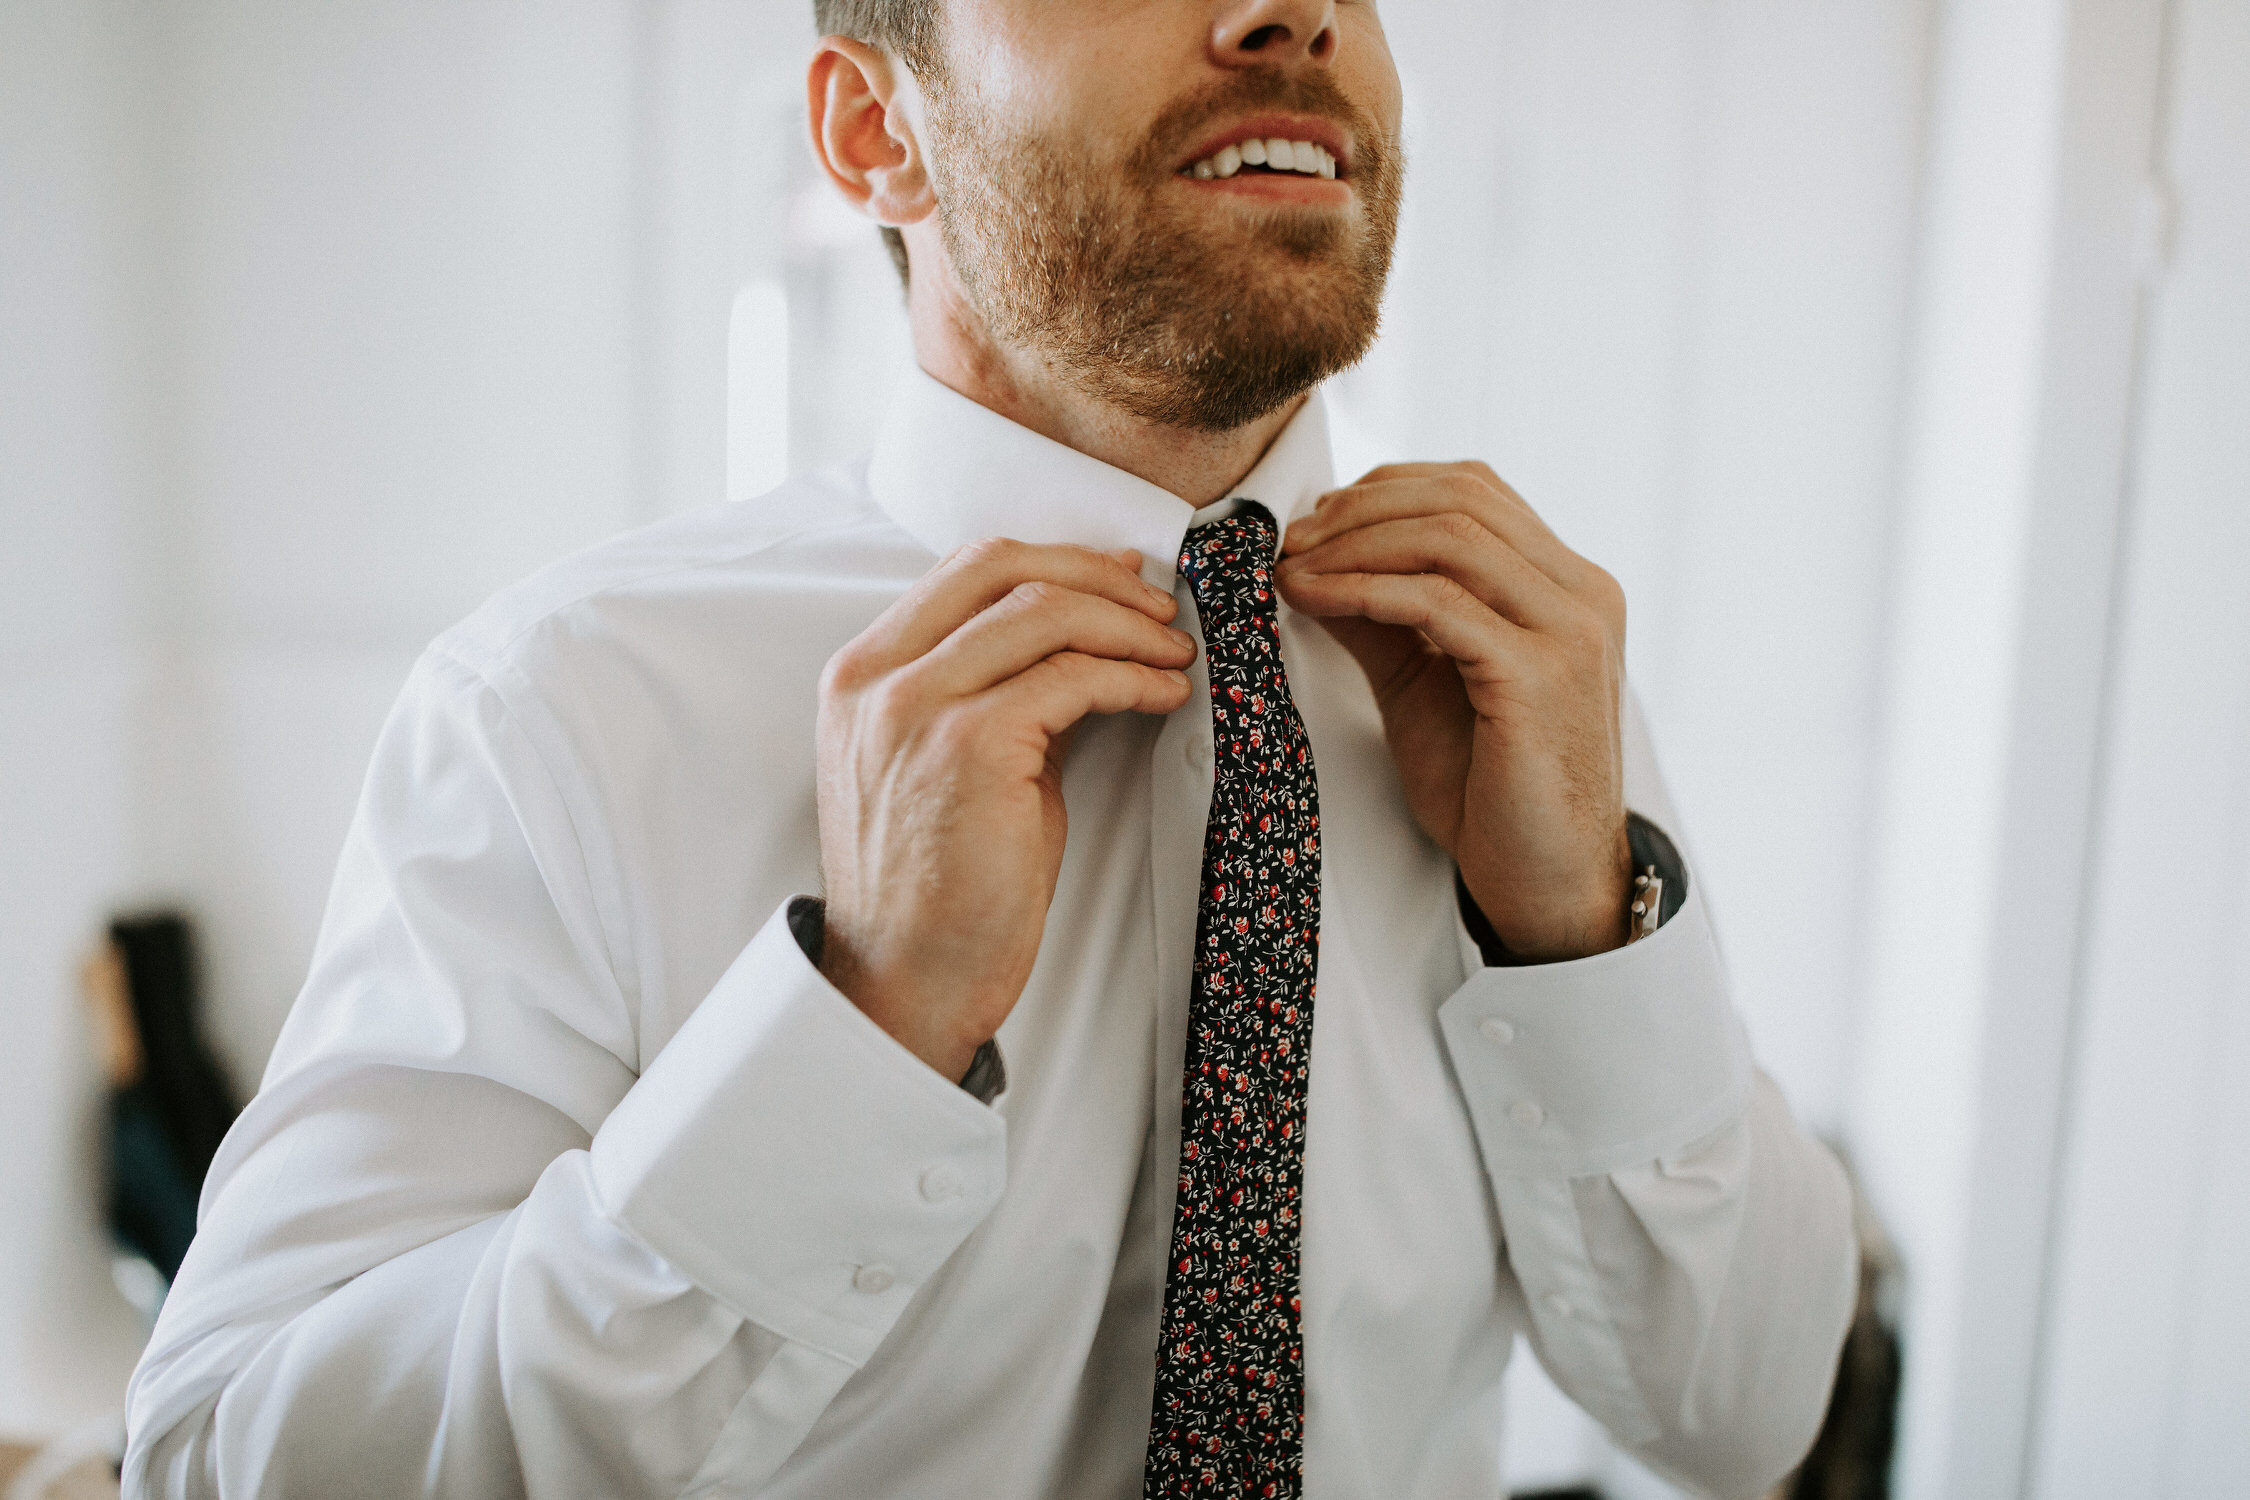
point(791, 1157)
point(1579, 1068)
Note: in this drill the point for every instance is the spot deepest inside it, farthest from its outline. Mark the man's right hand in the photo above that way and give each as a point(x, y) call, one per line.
point(942, 732)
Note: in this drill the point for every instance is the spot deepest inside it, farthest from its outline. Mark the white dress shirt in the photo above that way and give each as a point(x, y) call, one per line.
point(570, 1175)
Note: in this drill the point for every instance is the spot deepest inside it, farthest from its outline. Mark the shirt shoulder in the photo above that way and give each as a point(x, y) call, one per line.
point(702, 574)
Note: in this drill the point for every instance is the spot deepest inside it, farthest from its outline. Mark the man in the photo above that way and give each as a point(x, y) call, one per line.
point(1220, 1034)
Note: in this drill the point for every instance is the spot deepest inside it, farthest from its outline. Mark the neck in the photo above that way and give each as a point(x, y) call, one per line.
point(953, 346)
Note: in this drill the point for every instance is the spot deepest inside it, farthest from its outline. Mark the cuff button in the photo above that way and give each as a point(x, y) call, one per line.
point(872, 1279)
point(941, 1184)
point(1497, 1031)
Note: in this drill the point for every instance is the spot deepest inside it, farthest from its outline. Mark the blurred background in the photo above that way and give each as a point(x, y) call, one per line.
point(1894, 353)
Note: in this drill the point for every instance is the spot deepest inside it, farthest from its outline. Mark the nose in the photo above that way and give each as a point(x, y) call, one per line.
point(1274, 33)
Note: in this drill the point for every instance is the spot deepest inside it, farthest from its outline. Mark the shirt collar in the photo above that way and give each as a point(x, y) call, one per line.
point(949, 471)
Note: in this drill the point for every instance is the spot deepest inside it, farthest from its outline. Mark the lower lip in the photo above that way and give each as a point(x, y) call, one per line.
point(1275, 187)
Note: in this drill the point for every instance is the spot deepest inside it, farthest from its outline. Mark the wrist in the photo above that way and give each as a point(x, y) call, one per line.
point(914, 1017)
point(1548, 922)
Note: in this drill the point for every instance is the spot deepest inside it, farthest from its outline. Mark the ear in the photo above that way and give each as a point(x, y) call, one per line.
point(862, 104)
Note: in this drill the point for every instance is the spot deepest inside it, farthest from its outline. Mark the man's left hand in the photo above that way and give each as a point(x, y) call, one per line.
point(1497, 658)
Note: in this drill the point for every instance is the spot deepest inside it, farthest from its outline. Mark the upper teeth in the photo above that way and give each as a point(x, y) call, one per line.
point(1275, 155)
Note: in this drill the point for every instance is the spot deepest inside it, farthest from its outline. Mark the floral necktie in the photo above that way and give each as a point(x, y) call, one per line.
point(1230, 1387)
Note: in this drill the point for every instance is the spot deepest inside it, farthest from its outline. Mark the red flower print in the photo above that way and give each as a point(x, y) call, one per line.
point(1231, 1308)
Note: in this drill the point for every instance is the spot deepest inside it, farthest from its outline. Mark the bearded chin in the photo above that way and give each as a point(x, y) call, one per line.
point(1173, 322)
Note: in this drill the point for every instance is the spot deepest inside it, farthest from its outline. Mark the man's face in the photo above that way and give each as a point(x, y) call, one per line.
point(1065, 138)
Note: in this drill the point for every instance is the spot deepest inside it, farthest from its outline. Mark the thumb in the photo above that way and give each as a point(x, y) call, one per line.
point(1058, 747)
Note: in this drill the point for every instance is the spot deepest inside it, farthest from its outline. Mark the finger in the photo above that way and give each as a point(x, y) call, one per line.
point(1033, 622)
point(974, 577)
point(1460, 548)
point(1475, 468)
point(1429, 470)
point(1388, 494)
point(1422, 489)
point(1056, 693)
point(1448, 615)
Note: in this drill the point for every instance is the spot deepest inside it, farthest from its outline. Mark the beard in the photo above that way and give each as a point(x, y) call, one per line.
point(1198, 321)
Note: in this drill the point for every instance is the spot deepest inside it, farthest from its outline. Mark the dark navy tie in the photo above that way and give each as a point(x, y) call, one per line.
point(1230, 1369)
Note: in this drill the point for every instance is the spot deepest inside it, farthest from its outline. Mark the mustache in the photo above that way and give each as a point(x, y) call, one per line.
point(1315, 94)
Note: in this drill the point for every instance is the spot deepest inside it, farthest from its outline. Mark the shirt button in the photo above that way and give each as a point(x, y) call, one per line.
point(1560, 1305)
point(941, 1184)
point(1497, 1030)
point(1198, 755)
point(1527, 1114)
point(872, 1279)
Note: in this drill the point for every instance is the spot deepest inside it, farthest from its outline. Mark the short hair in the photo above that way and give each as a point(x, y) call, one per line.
point(907, 29)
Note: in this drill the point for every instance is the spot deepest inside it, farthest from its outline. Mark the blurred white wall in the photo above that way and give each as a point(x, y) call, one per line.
point(1813, 323)
point(322, 322)
point(72, 553)
point(2076, 395)
point(2144, 1387)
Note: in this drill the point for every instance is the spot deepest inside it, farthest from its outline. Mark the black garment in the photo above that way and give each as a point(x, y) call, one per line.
point(165, 1126)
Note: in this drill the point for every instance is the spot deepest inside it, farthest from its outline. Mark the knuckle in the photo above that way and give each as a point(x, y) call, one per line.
point(846, 671)
point(1447, 594)
point(1460, 529)
point(1074, 667)
point(984, 552)
point(1036, 594)
point(1609, 590)
point(897, 699)
point(1608, 597)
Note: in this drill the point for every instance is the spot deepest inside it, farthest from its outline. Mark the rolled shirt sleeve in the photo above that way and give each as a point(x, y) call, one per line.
point(1684, 1248)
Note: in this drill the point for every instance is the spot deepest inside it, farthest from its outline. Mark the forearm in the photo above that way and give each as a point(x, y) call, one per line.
point(538, 1351)
point(430, 1278)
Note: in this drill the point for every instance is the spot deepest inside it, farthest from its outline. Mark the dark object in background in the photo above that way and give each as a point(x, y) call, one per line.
point(1851, 1455)
point(170, 1105)
point(151, 1200)
point(1851, 1458)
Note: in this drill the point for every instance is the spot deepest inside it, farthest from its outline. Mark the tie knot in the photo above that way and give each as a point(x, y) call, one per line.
point(1232, 556)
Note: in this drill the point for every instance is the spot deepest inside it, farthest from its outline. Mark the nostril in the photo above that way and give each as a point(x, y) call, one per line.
point(1264, 37)
point(1324, 45)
